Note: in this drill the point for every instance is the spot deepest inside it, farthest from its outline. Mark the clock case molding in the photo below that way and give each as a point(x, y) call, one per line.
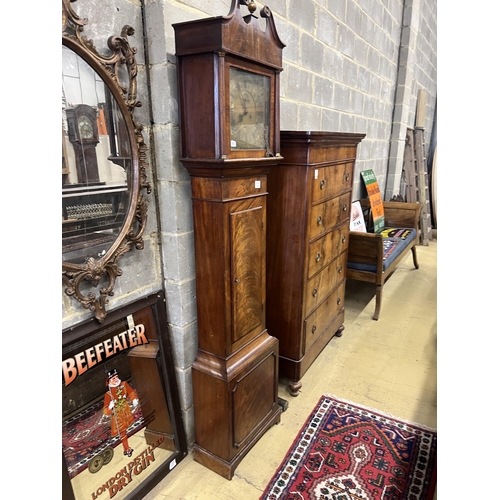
point(104, 271)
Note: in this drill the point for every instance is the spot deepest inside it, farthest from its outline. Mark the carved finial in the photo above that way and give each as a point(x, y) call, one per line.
point(250, 5)
point(265, 12)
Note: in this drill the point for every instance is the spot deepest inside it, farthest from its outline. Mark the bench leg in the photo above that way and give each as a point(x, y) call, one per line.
point(414, 253)
point(378, 302)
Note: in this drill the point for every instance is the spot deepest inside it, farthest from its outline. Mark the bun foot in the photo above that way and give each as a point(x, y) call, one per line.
point(295, 386)
point(338, 333)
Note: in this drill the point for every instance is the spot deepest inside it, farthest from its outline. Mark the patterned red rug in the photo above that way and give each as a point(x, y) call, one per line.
point(349, 452)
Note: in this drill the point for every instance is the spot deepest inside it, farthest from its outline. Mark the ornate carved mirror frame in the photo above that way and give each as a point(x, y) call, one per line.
point(103, 270)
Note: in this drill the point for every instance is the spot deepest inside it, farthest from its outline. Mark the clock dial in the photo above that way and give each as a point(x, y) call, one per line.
point(249, 109)
point(85, 127)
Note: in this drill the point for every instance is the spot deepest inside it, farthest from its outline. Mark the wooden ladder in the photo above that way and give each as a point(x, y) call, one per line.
point(409, 168)
point(415, 169)
point(422, 187)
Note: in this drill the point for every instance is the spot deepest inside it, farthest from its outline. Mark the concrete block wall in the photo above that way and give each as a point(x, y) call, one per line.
point(348, 66)
point(417, 70)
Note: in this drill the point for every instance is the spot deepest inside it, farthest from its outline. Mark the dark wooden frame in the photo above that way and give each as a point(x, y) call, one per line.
point(77, 334)
point(107, 67)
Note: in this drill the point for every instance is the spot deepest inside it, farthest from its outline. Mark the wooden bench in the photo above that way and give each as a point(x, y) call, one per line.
point(365, 261)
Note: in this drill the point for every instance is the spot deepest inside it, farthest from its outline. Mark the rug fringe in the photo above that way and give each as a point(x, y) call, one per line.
point(385, 414)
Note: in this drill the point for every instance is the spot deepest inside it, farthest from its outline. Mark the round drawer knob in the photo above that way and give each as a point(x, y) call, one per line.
point(347, 176)
point(338, 300)
point(343, 239)
point(318, 257)
point(322, 184)
point(313, 329)
point(236, 280)
point(320, 220)
point(340, 269)
point(315, 292)
point(344, 208)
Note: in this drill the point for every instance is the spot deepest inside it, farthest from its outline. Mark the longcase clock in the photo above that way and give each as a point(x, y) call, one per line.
point(228, 75)
point(84, 135)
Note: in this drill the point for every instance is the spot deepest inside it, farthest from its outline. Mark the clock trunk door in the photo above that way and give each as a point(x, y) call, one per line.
point(247, 279)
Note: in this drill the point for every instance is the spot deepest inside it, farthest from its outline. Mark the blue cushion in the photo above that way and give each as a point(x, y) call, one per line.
point(392, 249)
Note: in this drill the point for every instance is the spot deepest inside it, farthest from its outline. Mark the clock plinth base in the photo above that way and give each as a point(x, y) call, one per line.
point(236, 401)
point(224, 468)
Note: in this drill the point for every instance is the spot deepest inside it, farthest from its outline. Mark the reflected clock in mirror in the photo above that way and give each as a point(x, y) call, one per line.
point(95, 196)
point(249, 109)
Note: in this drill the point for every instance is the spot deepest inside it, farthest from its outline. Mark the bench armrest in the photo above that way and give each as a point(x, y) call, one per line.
point(366, 248)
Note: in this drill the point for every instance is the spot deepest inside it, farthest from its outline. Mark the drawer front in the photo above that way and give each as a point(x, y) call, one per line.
point(328, 214)
point(323, 283)
point(331, 181)
point(324, 250)
point(318, 321)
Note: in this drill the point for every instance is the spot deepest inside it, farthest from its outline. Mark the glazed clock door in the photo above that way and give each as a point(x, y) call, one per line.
point(248, 249)
point(250, 109)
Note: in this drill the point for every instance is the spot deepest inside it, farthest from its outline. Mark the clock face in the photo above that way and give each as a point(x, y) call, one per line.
point(85, 127)
point(249, 109)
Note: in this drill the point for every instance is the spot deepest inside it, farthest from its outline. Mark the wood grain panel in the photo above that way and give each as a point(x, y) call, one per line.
point(262, 402)
point(324, 250)
point(319, 320)
point(331, 181)
point(247, 278)
point(318, 287)
point(328, 214)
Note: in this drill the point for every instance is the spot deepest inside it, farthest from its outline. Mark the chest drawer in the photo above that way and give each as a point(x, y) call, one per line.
point(330, 181)
point(318, 321)
point(324, 282)
point(325, 249)
point(328, 214)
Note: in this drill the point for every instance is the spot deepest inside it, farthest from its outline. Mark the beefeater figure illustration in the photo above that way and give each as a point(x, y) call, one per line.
point(117, 404)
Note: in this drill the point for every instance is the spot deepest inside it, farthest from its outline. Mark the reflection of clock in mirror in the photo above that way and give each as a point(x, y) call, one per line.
point(84, 136)
point(249, 109)
point(85, 127)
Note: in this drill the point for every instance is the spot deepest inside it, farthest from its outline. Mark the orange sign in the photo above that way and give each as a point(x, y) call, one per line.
point(375, 199)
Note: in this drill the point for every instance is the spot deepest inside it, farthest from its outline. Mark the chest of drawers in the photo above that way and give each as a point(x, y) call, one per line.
point(308, 233)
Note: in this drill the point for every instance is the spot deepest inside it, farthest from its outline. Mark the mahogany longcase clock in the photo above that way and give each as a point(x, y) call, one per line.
point(228, 76)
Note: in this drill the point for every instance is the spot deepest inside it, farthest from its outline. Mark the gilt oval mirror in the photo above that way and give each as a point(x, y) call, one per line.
point(96, 162)
point(103, 163)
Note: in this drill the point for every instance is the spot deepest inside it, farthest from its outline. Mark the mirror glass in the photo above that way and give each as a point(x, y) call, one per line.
point(96, 162)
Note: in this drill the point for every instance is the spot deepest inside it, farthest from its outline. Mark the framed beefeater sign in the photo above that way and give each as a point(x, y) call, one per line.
point(121, 426)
